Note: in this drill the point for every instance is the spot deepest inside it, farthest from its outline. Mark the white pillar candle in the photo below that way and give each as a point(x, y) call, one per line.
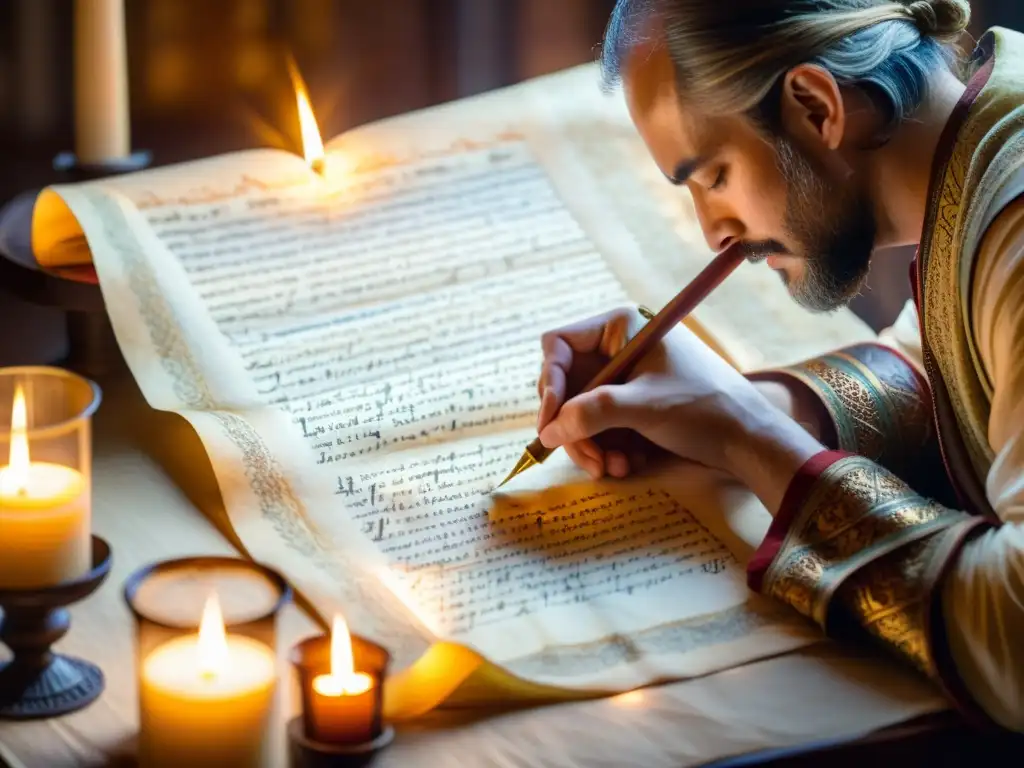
point(101, 82)
point(206, 700)
point(44, 515)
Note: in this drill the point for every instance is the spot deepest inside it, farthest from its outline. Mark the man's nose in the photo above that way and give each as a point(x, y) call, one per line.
point(719, 231)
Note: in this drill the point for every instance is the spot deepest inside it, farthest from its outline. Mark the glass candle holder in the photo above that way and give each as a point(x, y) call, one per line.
point(45, 476)
point(341, 681)
point(206, 661)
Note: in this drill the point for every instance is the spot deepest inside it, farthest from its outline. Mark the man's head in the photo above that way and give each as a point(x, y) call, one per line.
point(762, 108)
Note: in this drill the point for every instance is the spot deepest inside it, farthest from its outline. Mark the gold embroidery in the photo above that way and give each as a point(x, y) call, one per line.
point(875, 400)
point(887, 600)
point(855, 513)
point(995, 126)
point(856, 407)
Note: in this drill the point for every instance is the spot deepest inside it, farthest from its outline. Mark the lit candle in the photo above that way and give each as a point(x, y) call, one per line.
point(44, 515)
point(206, 699)
point(342, 701)
point(101, 82)
point(312, 143)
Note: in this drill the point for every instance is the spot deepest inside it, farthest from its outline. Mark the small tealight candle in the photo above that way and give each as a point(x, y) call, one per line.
point(207, 700)
point(342, 704)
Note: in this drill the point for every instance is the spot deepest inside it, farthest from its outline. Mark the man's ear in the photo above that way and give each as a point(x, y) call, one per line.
point(812, 108)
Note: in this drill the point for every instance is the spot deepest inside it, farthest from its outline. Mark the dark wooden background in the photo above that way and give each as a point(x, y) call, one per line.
point(206, 76)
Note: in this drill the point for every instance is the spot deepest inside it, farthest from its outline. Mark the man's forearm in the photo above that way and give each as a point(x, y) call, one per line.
point(767, 448)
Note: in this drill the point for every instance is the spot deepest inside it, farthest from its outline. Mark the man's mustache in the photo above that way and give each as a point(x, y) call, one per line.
point(761, 249)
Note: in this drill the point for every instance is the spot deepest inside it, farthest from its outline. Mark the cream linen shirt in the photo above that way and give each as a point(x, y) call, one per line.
point(983, 598)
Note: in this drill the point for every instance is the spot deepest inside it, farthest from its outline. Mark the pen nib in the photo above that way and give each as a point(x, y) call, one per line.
point(526, 461)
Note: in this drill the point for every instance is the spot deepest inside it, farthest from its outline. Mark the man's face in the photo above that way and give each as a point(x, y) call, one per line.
point(765, 193)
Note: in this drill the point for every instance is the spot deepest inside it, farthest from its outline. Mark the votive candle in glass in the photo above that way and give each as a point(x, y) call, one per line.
point(207, 662)
point(45, 476)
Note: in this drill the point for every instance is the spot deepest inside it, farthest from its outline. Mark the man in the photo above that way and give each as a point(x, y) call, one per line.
point(813, 133)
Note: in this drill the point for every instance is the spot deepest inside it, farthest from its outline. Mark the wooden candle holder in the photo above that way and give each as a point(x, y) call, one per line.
point(38, 683)
point(304, 752)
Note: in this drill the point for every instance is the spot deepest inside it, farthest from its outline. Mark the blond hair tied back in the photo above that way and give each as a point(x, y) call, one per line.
point(730, 56)
point(944, 20)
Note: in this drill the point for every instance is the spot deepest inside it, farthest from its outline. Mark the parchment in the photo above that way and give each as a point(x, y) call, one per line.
point(816, 694)
point(358, 354)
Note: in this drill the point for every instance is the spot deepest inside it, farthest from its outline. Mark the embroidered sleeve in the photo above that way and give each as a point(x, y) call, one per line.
point(878, 406)
point(856, 550)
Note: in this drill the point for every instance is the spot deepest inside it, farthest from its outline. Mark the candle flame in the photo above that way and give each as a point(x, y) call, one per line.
point(343, 680)
point(17, 472)
point(312, 144)
point(213, 643)
point(342, 664)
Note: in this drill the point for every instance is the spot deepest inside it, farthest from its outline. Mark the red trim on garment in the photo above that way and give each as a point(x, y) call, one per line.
point(792, 503)
point(914, 293)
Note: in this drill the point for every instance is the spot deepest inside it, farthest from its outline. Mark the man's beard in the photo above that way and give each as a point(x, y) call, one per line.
point(832, 225)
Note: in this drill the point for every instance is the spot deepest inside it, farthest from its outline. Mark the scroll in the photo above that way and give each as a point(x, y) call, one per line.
point(358, 353)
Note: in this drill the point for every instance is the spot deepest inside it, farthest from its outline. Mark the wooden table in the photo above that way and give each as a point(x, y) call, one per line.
point(821, 693)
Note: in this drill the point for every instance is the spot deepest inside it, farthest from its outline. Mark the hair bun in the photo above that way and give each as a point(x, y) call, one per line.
point(941, 19)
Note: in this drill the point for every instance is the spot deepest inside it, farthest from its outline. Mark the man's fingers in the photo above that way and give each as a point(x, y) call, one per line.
point(552, 382)
point(569, 354)
point(549, 403)
point(591, 449)
point(616, 335)
point(584, 416)
point(558, 358)
point(618, 464)
point(583, 336)
point(586, 461)
point(594, 333)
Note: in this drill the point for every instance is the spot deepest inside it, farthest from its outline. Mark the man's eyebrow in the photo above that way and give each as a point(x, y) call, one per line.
point(684, 170)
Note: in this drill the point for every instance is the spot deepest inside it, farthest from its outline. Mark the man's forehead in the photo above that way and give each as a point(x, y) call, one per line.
point(654, 103)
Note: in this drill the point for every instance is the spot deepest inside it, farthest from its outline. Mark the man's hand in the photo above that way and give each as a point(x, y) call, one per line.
point(681, 398)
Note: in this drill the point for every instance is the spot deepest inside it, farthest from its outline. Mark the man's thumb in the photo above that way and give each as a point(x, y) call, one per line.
point(581, 417)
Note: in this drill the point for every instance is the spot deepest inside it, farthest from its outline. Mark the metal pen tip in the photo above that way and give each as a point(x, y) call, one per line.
point(526, 461)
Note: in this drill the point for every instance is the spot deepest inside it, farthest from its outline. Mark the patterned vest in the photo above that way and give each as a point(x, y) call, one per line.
point(978, 170)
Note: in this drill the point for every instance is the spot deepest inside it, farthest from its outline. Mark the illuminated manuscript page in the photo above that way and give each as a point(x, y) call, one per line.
point(359, 355)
